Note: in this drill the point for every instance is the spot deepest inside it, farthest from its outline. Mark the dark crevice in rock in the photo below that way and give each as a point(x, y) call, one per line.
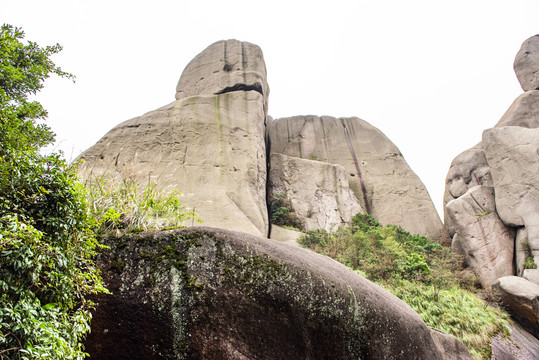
point(358, 170)
point(268, 166)
point(242, 87)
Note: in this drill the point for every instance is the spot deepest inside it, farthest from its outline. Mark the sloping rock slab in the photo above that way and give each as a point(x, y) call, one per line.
point(203, 293)
point(518, 345)
point(521, 298)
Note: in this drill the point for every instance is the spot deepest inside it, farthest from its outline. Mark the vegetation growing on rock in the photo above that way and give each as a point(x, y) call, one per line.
point(282, 213)
point(419, 271)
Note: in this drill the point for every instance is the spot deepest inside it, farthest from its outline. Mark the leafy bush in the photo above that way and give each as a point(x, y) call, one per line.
point(46, 243)
point(282, 212)
point(419, 271)
point(118, 202)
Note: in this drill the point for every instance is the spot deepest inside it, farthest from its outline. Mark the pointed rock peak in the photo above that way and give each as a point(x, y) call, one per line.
point(225, 66)
point(526, 64)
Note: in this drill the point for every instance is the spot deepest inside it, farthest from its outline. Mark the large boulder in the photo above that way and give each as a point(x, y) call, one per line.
point(521, 298)
point(209, 144)
point(526, 64)
point(513, 156)
point(203, 293)
point(318, 192)
point(487, 243)
point(377, 173)
point(225, 66)
point(211, 148)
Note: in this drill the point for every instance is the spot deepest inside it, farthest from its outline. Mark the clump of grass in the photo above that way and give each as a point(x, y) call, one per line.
point(118, 202)
point(419, 271)
point(529, 263)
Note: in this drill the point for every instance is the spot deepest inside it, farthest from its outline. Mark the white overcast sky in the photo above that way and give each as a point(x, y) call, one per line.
point(432, 75)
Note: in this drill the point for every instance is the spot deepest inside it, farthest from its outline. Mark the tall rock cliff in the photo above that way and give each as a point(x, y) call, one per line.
point(491, 198)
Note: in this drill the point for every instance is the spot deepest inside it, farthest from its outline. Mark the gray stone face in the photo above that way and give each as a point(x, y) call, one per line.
point(225, 66)
point(486, 242)
point(385, 185)
point(211, 148)
point(213, 294)
point(513, 156)
point(318, 191)
point(526, 64)
point(521, 299)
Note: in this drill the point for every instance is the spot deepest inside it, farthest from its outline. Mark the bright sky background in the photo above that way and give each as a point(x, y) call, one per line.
point(432, 75)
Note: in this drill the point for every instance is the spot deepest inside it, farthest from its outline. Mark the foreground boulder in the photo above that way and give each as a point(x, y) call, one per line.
point(521, 299)
point(205, 293)
point(378, 175)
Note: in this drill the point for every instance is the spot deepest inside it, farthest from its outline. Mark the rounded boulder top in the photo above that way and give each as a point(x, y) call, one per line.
point(526, 64)
point(225, 66)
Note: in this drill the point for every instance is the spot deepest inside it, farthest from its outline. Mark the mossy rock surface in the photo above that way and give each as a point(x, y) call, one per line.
point(204, 293)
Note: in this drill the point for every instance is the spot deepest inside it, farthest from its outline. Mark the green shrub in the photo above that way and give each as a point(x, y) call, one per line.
point(118, 202)
point(282, 212)
point(46, 242)
point(421, 272)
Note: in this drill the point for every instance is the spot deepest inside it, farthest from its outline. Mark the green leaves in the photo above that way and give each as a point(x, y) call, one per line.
point(46, 243)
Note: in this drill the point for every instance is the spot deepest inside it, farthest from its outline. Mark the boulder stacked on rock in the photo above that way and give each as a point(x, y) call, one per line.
point(209, 144)
point(491, 199)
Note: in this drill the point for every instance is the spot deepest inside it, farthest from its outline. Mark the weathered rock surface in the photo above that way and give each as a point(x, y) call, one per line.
point(468, 169)
point(382, 180)
point(518, 345)
point(521, 298)
point(523, 112)
point(449, 346)
point(526, 64)
point(209, 144)
point(204, 293)
point(487, 243)
point(211, 148)
point(513, 156)
point(318, 192)
point(225, 66)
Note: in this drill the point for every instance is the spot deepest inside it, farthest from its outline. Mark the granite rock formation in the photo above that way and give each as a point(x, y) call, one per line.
point(506, 160)
point(526, 64)
point(212, 145)
point(377, 173)
point(203, 293)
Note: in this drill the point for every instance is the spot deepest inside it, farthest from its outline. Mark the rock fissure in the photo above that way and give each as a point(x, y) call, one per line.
point(358, 170)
